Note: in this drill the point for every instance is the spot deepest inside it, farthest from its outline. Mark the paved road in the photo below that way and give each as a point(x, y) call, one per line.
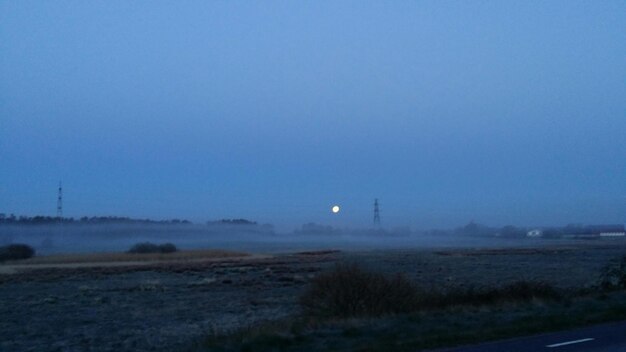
point(599, 338)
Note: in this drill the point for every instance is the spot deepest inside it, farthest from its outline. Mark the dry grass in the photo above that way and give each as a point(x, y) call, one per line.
point(350, 291)
point(192, 255)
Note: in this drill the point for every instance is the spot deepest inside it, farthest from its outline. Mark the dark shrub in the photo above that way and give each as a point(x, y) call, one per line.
point(613, 275)
point(349, 291)
point(528, 290)
point(520, 291)
point(167, 248)
point(147, 247)
point(15, 252)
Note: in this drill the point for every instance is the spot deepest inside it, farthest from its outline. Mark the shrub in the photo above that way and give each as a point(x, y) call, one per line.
point(350, 291)
point(167, 248)
point(16, 251)
point(613, 275)
point(519, 291)
point(147, 247)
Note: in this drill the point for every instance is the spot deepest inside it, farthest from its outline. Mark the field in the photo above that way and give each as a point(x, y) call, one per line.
point(180, 302)
point(99, 260)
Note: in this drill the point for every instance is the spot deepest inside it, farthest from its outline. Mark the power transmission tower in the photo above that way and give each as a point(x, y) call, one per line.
point(60, 202)
point(376, 213)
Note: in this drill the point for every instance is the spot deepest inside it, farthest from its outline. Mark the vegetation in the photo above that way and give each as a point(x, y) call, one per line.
point(519, 291)
point(12, 219)
point(421, 330)
point(148, 247)
point(613, 275)
point(99, 258)
point(350, 291)
point(232, 222)
point(167, 248)
point(16, 252)
point(349, 308)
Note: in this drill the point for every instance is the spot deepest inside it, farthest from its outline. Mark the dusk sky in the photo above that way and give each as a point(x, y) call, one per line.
point(500, 112)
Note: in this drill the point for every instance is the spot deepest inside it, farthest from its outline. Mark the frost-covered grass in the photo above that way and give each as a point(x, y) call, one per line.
point(442, 298)
point(449, 327)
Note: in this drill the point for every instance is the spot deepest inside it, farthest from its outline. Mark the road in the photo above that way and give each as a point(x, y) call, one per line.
point(598, 338)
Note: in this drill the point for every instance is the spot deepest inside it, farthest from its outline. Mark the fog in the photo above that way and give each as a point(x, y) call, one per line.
point(57, 239)
point(507, 112)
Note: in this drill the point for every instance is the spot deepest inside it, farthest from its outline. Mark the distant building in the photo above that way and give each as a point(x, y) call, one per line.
point(613, 234)
point(579, 231)
point(595, 231)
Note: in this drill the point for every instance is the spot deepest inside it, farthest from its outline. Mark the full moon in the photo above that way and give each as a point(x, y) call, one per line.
point(335, 209)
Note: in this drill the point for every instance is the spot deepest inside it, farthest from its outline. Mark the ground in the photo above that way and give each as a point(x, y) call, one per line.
point(166, 305)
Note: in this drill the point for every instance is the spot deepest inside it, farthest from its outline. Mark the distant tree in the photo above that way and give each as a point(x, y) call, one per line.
point(552, 232)
point(512, 231)
point(232, 222)
point(575, 229)
point(42, 219)
point(475, 229)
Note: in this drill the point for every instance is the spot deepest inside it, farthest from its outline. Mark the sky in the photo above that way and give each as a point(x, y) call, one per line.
point(501, 112)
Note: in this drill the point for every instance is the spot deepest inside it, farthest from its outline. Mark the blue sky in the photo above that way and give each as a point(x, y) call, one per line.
point(499, 111)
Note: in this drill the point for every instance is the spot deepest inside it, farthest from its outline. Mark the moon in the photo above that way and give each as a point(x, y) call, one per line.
point(335, 209)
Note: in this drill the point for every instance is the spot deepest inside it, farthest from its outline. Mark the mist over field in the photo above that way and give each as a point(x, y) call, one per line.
point(511, 113)
point(87, 238)
point(377, 175)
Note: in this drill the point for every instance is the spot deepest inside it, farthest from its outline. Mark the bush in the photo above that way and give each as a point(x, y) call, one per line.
point(519, 291)
point(613, 275)
point(15, 252)
point(350, 291)
point(147, 247)
point(167, 248)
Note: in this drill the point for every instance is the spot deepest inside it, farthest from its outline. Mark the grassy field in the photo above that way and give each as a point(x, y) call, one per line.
point(462, 296)
point(230, 301)
point(120, 260)
point(131, 257)
point(422, 330)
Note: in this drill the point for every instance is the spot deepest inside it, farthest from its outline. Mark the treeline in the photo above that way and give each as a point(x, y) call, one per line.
point(232, 222)
point(41, 220)
point(480, 230)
